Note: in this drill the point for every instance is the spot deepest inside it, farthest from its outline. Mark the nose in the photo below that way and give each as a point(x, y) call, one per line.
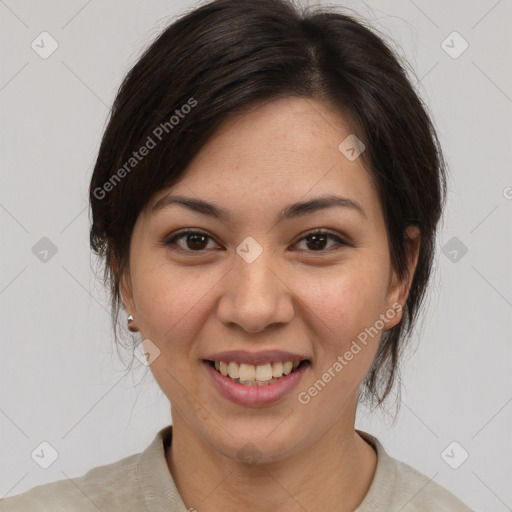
point(255, 296)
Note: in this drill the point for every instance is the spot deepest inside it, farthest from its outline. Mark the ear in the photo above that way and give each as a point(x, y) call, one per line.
point(398, 290)
point(125, 285)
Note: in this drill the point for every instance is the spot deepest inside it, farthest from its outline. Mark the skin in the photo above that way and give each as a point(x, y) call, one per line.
point(292, 297)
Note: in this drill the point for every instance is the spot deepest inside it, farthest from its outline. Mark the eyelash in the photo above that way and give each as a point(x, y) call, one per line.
point(170, 243)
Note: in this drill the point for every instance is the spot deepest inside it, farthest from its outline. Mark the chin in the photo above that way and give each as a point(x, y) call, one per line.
point(262, 443)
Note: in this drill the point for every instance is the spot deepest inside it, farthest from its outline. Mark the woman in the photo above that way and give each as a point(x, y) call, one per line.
point(265, 199)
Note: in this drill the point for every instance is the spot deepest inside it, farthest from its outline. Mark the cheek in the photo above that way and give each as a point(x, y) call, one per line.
point(351, 301)
point(171, 301)
point(349, 307)
point(346, 338)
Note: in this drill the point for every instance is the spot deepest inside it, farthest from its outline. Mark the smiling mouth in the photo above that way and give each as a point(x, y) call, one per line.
point(256, 375)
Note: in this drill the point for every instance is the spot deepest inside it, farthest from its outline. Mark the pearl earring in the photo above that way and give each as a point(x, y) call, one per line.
point(130, 327)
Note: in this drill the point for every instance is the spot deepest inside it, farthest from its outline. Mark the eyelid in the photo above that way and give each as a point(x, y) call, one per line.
point(169, 241)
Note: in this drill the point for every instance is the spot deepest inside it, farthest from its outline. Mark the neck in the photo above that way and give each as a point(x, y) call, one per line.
point(335, 473)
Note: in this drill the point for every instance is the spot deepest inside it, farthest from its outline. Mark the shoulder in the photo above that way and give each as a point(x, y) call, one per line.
point(107, 487)
point(131, 484)
point(420, 493)
point(398, 486)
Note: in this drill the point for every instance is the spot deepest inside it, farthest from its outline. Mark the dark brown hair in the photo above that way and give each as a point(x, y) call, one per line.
point(227, 54)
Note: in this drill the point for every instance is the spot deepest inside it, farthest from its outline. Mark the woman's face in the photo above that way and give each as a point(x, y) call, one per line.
point(257, 284)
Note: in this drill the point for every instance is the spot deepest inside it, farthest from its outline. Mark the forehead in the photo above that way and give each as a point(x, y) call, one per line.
point(278, 152)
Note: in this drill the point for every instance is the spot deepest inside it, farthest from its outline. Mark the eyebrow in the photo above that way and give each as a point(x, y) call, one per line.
point(289, 212)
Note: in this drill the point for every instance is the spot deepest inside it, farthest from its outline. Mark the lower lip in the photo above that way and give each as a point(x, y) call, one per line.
point(255, 395)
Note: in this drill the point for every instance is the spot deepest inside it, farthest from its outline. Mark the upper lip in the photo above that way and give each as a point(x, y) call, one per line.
point(255, 358)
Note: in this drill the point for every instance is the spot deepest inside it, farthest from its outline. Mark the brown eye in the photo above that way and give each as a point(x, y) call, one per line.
point(317, 241)
point(196, 241)
point(190, 241)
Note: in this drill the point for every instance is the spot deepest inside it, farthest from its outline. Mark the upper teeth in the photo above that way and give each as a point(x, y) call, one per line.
point(250, 372)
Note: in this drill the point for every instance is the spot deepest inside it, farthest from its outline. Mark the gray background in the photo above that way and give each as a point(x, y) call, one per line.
point(61, 379)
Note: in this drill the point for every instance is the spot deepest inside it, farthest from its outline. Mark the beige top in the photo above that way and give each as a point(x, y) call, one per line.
point(143, 483)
